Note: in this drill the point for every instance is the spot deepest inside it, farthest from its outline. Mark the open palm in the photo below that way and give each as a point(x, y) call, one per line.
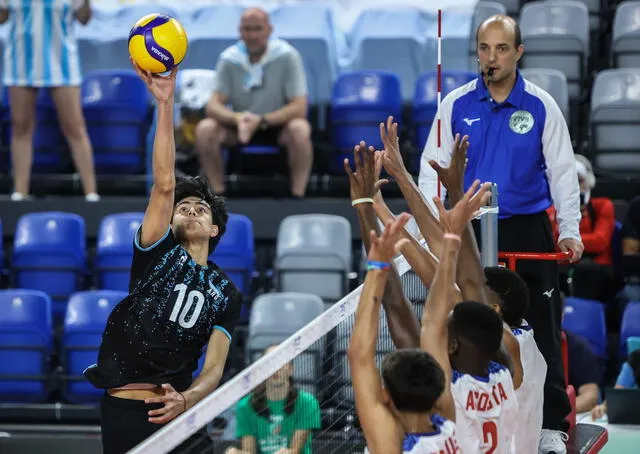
point(161, 87)
point(455, 220)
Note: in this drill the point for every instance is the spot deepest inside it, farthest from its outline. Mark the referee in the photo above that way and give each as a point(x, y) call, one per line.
point(519, 140)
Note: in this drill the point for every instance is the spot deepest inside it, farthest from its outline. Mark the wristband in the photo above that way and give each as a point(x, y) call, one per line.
point(375, 265)
point(363, 200)
point(452, 236)
point(184, 400)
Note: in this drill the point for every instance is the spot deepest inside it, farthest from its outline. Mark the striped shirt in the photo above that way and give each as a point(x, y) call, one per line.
point(522, 144)
point(40, 49)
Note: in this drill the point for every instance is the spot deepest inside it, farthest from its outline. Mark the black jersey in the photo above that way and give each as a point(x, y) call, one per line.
point(156, 333)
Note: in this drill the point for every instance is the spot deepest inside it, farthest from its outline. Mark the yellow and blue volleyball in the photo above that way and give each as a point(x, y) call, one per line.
point(157, 43)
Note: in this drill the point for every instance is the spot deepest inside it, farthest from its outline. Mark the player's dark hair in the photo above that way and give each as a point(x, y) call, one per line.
point(516, 28)
point(512, 291)
point(198, 187)
point(479, 324)
point(414, 380)
point(634, 361)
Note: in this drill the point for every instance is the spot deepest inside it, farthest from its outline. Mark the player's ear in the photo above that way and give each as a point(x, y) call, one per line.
point(454, 346)
point(214, 231)
point(496, 307)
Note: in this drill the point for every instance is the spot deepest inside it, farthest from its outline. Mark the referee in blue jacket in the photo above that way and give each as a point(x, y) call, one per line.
point(519, 140)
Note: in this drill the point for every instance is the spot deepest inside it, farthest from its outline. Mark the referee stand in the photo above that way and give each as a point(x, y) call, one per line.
point(583, 438)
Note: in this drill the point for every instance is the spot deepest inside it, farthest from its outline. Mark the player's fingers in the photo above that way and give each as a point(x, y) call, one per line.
point(168, 388)
point(472, 190)
point(347, 167)
point(435, 166)
point(439, 206)
point(161, 419)
point(401, 244)
point(380, 183)
point(157, 400)
point(158, 411)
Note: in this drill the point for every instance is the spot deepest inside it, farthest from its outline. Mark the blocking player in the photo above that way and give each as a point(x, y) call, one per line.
point(178, 301)
point(509, 296)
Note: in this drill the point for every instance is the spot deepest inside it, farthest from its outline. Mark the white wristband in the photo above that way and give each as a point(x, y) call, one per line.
point(359, 201)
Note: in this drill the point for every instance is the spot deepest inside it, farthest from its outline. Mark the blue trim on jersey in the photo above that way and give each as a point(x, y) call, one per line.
point(28, 42)
point(493, 368)
point(47, 36)
point(220, 328)
point(147, 249)
point(514, 161)
point(412, 438)
point(65, 64)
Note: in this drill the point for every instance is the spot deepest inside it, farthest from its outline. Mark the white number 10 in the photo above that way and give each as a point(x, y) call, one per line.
point(194, 295)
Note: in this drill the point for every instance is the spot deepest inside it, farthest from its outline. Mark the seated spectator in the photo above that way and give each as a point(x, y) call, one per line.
point(592, 277)
point(585, 372)
point(631, 242)
point(263, 80)
point(628, 378)
point(276, 417)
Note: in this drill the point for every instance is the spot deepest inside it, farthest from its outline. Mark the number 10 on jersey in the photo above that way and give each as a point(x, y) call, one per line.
point(194, 296)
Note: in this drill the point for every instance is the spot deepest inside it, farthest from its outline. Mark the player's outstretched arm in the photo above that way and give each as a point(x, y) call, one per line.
point(393, 164)
point(381, 430)
point(159, 211)
point(403, 324)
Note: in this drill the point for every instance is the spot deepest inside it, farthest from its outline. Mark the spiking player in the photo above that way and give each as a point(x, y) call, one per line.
point(511, 300)
point(178, 301)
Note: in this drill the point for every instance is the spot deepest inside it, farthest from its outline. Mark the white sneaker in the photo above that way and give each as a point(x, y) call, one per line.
point(18, 197)
point(92, 197)
point(552, 442)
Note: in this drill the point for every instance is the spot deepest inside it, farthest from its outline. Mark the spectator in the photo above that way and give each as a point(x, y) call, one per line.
point(593, 276)
point(41, 52)
point(264, 81)
point(277, 417)
point(631, 241)
point(628, 378)
point(585, 372)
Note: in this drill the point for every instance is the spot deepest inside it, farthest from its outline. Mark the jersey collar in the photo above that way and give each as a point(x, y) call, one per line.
point(515, 97)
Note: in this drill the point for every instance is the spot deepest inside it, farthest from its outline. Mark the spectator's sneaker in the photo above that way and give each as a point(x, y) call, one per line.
point(92, 197)
point(552, 442)
point(19, 197)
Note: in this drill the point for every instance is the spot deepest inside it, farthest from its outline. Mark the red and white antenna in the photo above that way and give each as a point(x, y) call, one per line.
point(439, 78)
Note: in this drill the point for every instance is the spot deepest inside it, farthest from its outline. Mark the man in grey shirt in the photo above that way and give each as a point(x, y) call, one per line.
point(263, 80)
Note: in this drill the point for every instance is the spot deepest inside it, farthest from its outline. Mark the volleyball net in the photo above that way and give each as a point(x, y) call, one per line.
point(255, 402)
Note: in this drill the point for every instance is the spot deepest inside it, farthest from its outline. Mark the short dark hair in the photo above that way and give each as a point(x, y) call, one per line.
point(198, 187)
point(479, 324)
point(414, 380)
point(502, 18)
point(634, 361)
point(512, 291)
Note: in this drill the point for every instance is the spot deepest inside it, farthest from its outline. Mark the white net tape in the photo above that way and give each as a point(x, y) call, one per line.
point(227, 395)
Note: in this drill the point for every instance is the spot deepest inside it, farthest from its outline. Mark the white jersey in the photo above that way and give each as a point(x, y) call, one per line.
point(441, 441)
point(531, 393)
point(486, 411)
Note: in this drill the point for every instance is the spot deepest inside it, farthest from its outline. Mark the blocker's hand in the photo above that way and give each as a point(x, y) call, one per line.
point(174, 404)
point(161, 87)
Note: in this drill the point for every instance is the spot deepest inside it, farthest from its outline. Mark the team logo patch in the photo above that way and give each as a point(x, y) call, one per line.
point(521, 122)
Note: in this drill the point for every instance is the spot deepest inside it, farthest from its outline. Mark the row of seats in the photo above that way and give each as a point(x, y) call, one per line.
point(313, 254)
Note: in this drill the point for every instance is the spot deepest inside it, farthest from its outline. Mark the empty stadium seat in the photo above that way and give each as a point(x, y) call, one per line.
point(277, 316)
point(235, 252)
point(556, 35)
point(114, 250)
point(425, 100)
point(625, 40)
point(482, 11)
point(25, 345)
point(313, 255)
point(586, 318)
point(361, 100)
point(615, 120)
point(630, 326)
point(116, 106)
point(49, 254)
point(393, 39)
point(84, 323)
point(553, 82)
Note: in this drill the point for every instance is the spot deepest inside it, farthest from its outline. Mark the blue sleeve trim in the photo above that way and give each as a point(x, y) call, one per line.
point(220, 328)
point(136, 240)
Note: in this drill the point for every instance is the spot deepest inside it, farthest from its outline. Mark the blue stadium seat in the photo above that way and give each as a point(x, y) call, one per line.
point(633, 343)
point(116, 106)
point(25, 345)
point(361, 100)
point(84, 324)
point(49, 254)
point(630, 326)
point(425, 99)
point(586, 318)
point(114, 250)
point(235, 252)
point(49, 145)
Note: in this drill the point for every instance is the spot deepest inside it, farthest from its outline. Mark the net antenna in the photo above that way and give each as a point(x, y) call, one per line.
point(439, 98)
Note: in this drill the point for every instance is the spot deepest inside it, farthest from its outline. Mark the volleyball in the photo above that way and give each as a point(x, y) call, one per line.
point(157, 43)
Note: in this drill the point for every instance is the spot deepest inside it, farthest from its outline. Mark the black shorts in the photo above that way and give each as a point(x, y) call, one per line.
point(266, 137)
point(125, 424)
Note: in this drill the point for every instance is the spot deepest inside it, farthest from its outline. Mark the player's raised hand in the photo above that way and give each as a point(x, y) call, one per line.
point(456, 219)
point(383, 247)
point(452, 177)
point(174, 404)
point(362, 182)
point(392, 159)
point(161, 87)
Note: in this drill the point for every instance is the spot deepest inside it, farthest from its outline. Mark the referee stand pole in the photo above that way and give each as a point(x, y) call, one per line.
point(489, 230)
